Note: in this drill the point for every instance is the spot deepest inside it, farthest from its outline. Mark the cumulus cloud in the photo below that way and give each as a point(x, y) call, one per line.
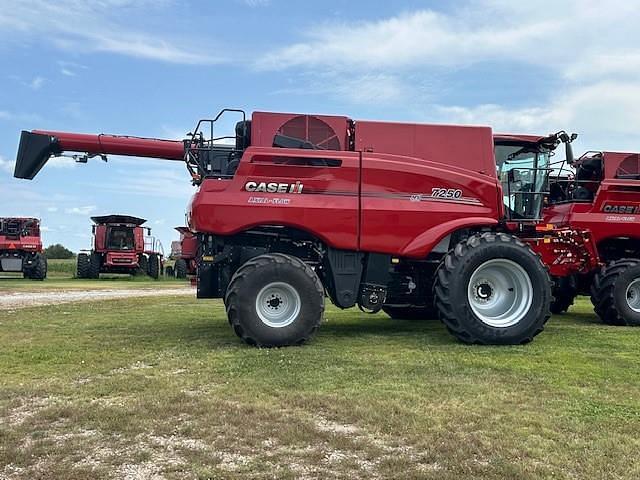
point(7, 165)
point(94, 26)
point(84, 210)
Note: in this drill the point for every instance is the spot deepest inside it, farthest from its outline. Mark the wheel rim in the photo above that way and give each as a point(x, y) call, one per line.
point(633, 295)
point(500, 292)
point(278, 304)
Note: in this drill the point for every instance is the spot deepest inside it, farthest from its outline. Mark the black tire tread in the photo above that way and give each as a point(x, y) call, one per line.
point(602, 291)
point(248, 268)
point(443, 281)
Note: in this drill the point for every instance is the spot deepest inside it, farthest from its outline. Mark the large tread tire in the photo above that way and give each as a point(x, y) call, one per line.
point(422, 312)
point(39, 269)
point(153, 269)
point(82, 266)
point(565, 291)
point(181, 268)
point(143, 265)
point(452, 285)
point(169, 272)
point(609, 292)
point(95, 262)
point(251, 278)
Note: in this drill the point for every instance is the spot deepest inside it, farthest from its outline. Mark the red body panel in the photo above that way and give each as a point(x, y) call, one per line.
point(372, 200)
point(32, 242)
point(121, 259)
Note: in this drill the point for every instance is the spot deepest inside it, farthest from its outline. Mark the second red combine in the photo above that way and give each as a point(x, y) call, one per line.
point(121, 245)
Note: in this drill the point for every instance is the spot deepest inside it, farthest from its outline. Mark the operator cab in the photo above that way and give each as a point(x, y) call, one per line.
point(523, 167)
point(120, 238)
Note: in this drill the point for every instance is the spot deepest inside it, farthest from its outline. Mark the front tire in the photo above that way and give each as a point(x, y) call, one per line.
point(39, 269)
point(275, 300)
point(154, 266)
point(95, 262)
point(181, 268)
point(565, 291)
point(615, 293)
point(492, 289)
point(82, 266)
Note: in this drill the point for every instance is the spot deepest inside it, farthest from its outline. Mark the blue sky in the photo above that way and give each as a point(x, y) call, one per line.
point(154, 67)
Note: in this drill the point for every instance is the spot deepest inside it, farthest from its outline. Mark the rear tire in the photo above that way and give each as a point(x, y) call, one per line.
point(82, 266)
point(411, 312)
point(615, 293)
point(181, 268)
point(168, 272)
point(492, 289)
point(154, 266)
point(275, 300)
point(95, 262)
point(565, 291)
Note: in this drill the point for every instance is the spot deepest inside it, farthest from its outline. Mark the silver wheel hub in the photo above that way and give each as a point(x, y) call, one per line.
point(500, 292)
point(278, 304)
point(633, 295)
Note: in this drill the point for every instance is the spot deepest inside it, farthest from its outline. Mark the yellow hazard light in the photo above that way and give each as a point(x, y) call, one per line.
point(207, 258)
point(546, 239)
point(544, 228)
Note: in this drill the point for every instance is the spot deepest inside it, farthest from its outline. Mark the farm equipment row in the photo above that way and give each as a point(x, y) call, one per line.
point(414, 219)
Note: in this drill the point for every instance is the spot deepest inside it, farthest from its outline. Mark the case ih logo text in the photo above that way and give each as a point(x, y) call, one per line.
point(621, 209)
point(273, 187)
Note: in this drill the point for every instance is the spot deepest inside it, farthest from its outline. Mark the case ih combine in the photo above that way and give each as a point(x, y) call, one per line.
point(120, 246)
point(185, 254)
point(601, 195)
point(21, 248)
point(372, 213)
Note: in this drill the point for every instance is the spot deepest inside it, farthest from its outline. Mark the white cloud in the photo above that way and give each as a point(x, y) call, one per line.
point(91, 27)
point(256, 3)
point(7, 165)
point(605, 114)
point(85, 210)
point(551, 34)
point(52, 209)
point(37, 83)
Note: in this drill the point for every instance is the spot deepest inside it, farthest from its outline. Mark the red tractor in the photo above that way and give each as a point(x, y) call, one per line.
point(185, 253)
point(121, 246)
point(374, 214)
point(21, 248)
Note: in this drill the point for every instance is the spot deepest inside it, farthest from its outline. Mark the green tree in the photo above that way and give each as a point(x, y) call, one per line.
point(58, 251)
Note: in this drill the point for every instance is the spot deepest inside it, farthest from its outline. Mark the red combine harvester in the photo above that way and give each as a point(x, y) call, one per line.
point(603, 196)
point(375, 214)
point(121, 246)
point(600, 194)
point(21, 248)
point(186, 254)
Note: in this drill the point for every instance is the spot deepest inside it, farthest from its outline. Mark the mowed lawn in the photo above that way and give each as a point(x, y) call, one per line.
point(162, 388)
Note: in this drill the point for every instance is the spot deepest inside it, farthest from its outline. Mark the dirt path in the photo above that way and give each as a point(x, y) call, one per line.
point(15, 300)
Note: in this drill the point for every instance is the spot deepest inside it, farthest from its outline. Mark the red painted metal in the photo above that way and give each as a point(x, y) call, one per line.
point(117, 145)
point(599, 215)
point(31, 242)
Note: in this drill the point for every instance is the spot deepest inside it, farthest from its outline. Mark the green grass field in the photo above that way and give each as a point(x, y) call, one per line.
point(161, 388)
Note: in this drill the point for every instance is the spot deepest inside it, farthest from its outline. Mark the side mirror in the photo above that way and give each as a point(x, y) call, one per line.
point(574, 136)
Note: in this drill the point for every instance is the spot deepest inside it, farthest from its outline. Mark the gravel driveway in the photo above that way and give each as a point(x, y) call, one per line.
point(12, 301)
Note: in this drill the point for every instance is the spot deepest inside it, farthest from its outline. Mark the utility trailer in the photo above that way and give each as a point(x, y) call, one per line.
point(21, 248)
point(372, 214)
point(121, 244)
